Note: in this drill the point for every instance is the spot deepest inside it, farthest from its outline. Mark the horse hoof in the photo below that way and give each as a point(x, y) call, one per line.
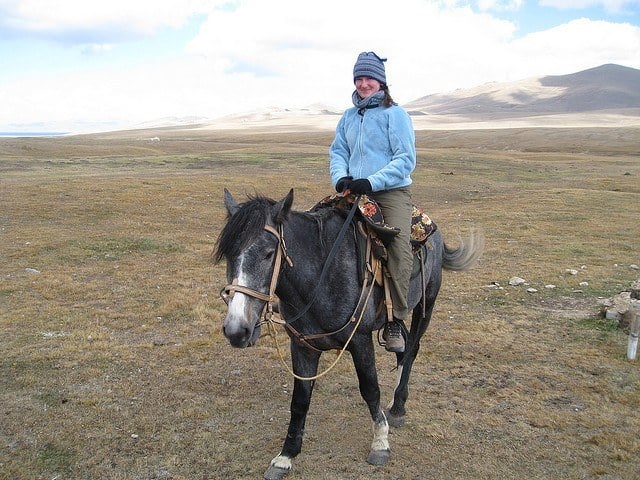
point(396, 421)
point(275, 473)
point(378, 457)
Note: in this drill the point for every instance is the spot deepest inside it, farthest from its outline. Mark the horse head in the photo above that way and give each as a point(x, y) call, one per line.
point(250, 244)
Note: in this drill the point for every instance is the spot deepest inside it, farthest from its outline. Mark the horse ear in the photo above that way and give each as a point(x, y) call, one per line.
point(230, 203)
point(282, 208)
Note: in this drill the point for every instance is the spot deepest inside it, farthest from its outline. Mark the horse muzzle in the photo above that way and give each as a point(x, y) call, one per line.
point(240, 333)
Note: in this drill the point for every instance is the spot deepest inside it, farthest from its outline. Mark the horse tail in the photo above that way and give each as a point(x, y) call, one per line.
point(466, 255)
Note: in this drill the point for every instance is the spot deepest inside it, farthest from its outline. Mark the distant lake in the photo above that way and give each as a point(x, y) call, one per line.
point(32, 134)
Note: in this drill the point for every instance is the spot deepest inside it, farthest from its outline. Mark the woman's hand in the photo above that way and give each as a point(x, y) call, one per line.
point(343, 184)
point(360, 186)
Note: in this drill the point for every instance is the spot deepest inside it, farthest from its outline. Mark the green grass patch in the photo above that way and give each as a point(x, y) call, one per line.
point(599, 324)
point(6, 292)
point(55, 459)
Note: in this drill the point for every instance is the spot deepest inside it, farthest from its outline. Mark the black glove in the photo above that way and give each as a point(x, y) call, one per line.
point(343, 184)
point(360, 186)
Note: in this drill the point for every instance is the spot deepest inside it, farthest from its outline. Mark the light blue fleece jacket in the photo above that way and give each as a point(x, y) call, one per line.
point(378, 145)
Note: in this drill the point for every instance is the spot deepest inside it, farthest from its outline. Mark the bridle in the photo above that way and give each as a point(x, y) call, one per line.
point(229, 290)
point(266, 316)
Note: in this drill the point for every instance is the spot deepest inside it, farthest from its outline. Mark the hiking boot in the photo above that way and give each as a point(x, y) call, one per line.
point(392, 335)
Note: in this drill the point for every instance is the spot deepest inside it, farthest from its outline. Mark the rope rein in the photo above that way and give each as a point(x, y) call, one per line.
point(273, 333)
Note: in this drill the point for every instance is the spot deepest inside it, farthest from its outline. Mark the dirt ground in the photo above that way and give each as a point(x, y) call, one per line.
point(113, 365)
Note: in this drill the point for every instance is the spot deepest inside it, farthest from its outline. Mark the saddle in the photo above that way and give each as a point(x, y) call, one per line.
point(381, 234)
point(375, 234)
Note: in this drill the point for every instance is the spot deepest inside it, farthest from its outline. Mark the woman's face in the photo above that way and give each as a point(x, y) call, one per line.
point(366, 86)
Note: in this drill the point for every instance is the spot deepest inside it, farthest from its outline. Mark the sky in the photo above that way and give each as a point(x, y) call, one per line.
point(99, 65)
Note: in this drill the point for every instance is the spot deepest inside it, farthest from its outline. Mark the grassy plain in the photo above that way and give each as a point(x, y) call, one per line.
point(113, 365)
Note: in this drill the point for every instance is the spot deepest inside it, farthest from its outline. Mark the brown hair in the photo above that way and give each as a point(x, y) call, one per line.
point(387, 101)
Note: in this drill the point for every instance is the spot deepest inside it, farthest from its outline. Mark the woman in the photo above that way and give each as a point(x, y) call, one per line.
point(374, 153)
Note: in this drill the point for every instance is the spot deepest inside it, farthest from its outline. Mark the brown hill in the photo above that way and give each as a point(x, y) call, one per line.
point(605, 88)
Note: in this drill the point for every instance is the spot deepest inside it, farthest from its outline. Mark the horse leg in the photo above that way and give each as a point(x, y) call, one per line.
point(396, 409)
point(305, 364)
point(364, 361)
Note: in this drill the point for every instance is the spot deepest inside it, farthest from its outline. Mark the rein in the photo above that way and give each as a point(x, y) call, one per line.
point(273, 333)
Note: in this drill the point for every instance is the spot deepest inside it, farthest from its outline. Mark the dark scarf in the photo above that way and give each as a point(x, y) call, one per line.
point(372, 101)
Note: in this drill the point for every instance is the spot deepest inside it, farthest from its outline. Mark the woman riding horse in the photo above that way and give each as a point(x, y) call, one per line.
point(374, 153)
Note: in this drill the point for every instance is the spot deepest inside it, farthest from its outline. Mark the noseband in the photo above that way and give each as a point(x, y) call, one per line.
point(228, 291)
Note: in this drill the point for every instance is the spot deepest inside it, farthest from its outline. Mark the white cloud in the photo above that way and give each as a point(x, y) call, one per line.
point(578, 45)
point(500, 5)
point(96, 48)
point(54, 18)
point(313, 46)
point(254, 53)
point(118, 98)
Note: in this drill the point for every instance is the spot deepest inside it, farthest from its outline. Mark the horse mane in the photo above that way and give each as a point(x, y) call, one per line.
point(250, 219)
point(321, 216)
point(244, 225)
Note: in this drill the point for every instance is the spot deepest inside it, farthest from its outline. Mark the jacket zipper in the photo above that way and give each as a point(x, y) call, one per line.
point(361, 112)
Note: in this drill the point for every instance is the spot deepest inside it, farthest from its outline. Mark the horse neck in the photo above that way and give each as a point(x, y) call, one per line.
point(309, 240)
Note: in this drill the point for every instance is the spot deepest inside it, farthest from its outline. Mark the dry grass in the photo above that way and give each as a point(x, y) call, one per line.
point(113, 365)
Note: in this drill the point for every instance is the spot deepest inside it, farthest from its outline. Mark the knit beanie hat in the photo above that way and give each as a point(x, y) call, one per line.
point(370, 65)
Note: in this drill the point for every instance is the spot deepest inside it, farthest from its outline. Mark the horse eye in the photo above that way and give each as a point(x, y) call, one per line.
point(268, 255)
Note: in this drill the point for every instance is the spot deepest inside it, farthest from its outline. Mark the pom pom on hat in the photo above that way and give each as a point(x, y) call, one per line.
point(370, 65)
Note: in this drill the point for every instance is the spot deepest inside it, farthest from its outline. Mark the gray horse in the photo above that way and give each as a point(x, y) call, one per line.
point(308, 262)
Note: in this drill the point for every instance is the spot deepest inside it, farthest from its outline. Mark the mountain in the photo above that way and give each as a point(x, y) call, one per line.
point(607, 87)
point(604, 96)
point(315, 116)
point(172, 122)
